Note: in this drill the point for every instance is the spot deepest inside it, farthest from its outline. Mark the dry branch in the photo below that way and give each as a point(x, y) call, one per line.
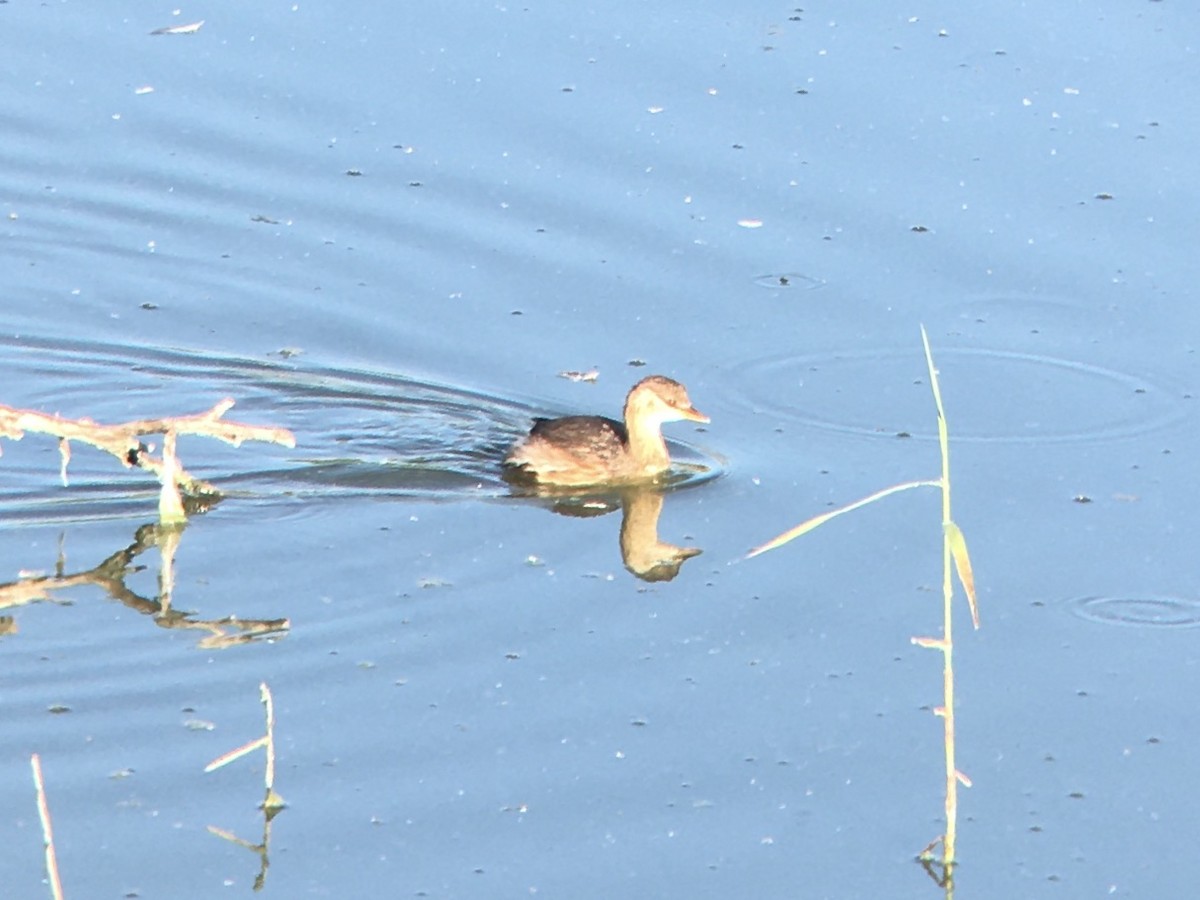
point(124, 442)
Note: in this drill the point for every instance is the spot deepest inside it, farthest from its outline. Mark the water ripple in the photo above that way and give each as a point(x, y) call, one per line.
point(1150, 611)
point(991, 395)
point(381, 434)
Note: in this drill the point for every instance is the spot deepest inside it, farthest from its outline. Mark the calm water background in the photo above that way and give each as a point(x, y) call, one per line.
point(389, 227)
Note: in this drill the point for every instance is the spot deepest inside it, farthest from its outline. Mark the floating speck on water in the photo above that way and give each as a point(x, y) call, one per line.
point(787, 280)
point(589, 376)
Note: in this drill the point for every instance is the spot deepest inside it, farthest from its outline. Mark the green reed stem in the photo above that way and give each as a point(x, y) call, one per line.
point(946, 645)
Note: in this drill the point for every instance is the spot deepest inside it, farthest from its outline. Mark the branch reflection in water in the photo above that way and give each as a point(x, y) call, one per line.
point(110, 576)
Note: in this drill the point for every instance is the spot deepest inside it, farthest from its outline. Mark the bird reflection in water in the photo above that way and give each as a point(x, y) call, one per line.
point(642, 552)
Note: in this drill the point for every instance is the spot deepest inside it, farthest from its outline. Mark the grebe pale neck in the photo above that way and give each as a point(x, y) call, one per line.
point(650, 403)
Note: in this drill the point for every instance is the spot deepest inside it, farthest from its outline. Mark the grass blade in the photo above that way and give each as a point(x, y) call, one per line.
point(816, 521)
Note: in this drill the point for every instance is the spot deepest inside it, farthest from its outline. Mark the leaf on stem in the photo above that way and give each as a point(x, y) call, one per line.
point(962, 565)
point(930, 643)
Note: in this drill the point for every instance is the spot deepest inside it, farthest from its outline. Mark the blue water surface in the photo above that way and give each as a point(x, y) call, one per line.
point(390, 227)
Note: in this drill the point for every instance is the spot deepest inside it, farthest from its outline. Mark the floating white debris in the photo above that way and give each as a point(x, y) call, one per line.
point(144, 89)
point(190, 28)
point(750, 223)
point(589, 375)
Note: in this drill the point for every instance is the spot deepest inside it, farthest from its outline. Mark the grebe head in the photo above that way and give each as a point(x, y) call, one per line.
point(659, 399)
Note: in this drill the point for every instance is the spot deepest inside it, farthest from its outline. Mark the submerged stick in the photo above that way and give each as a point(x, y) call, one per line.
point(35, 761)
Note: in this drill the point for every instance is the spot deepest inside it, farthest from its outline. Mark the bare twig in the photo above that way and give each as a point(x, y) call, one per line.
point(272, 802)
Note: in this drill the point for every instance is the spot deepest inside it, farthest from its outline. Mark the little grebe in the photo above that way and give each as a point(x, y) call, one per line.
point(591, 450)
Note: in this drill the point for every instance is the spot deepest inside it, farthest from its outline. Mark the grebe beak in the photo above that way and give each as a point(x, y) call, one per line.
point(694, 415)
